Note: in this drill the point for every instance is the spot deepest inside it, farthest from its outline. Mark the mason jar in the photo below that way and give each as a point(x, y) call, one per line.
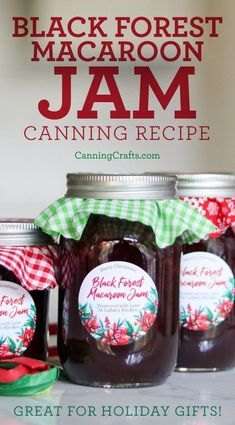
point(28, 259)
point(120, 248)
point(207, 277)
point(119, 317)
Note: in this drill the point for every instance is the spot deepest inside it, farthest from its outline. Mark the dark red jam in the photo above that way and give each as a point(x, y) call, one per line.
point(213, 348)
point(125, 359)
point(36, 346)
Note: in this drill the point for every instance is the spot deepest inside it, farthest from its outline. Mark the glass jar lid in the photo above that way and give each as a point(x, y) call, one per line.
point(124, 186)
point(218, 185)
point(22, 232)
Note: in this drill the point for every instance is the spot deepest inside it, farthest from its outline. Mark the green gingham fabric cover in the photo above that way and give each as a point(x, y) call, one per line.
point(168, 218)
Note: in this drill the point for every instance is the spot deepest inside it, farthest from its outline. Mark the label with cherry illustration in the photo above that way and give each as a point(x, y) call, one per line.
point(17, 319)
point(206, 290)
point(118, 303)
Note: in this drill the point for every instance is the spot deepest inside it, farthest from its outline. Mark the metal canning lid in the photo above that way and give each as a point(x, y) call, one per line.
point(124, 186)
point(219, 185)
point(22, 232)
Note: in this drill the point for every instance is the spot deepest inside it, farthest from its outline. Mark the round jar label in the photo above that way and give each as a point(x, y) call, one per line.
point(206, 290)
point(118, 302)
point(17, 319)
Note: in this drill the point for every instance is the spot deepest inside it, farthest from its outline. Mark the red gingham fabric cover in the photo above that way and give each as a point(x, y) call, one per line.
point(220, 211)
point(34, 266)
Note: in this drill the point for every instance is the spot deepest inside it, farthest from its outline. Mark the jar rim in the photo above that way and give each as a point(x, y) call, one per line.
point(206, 185)
point(22, 232)
point(121, 186)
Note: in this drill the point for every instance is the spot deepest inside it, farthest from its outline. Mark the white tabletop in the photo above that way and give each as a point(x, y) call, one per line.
point(185, 399)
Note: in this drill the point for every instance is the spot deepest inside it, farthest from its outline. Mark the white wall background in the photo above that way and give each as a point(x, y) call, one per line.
point(32, 175)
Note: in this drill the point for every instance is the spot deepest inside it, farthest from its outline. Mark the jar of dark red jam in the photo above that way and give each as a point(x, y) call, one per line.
point(207, 277)
point(119, 276)
point(118, 320)
point(27, 259)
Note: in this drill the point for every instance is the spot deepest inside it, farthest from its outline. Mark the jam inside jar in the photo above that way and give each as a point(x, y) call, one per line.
point(99, 346)
point(214, 347)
